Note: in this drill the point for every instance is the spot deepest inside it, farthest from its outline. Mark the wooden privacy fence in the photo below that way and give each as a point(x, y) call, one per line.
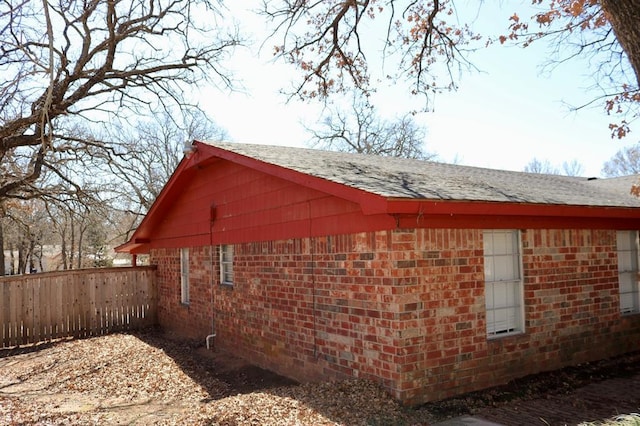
point(89, 302)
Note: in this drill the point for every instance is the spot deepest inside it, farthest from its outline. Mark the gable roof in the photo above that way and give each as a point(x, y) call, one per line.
point(398, 186)
point(403, 178)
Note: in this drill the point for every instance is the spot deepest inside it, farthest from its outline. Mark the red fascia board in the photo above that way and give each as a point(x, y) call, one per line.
point(370, 203)
point(482, 208)
point(133, 248)
point(123, 248)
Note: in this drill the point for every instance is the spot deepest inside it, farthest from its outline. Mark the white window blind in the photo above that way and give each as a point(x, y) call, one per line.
point(627, 242)
point(184, 275)
point(226, 264)
point(503, 282)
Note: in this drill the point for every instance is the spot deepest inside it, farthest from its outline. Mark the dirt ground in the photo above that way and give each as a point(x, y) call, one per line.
point(147, 378)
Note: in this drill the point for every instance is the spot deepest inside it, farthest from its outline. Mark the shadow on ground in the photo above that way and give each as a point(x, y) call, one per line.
point(42, 382)
point(202, 364)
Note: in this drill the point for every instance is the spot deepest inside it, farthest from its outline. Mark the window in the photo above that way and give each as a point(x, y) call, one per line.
point(184, 276)
point(503, 283)
point(628, 271)
point(226, 264)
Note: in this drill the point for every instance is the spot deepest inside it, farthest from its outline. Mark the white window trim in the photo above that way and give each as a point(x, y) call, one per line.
point(519, 327)
point(635, 292)
point(184, 276)
point(226, 266)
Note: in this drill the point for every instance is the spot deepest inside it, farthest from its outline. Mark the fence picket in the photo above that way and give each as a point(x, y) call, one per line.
point(75, 304)
point(15, 299)
point(83, 306)
point(4, 314)
point(27, 312)
point(65, 306)
point(45, 311)
point(152, 296)
point(57, 311)
point(128, 300)
point(101, 309)
point(37, 335)
point(138, 296)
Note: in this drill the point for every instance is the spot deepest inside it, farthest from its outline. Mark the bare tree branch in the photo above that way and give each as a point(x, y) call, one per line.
point(362, 131)
point(324, 40)
point(96, 60)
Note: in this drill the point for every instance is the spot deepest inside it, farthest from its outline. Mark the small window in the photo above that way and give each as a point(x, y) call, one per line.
point(184, 276)
point(503, 283)
point(226, 264)
point(627, 242)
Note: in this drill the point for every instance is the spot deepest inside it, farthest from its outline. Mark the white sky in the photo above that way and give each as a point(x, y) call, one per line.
point(500, 118)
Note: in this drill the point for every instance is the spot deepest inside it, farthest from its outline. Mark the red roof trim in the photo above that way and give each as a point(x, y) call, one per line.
point(133, 248)
point(482, 208)
point(467, 212)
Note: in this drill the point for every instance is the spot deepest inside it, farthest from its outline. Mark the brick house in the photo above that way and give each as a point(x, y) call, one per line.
point(429, 278)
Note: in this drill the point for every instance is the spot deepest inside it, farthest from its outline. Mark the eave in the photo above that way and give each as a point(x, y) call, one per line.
point(408, 212)
point(454, 207)
point(134, 246)
point(458, 214)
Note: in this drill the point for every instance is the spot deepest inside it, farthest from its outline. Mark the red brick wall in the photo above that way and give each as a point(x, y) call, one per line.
point(269, 312)
point(571, 310)
point(193, 320)
point(405, 307)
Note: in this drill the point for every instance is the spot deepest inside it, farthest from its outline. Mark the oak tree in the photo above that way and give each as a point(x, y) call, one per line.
point(625, 162)
point(69, 65)
point(361, 130)
point(329, 42)
point(541, 166)
point(569, 168)
point(25, 230)
point(145, 153)
point(606, 34)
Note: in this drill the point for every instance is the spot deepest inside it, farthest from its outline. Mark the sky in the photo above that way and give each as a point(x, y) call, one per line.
point(510, 111)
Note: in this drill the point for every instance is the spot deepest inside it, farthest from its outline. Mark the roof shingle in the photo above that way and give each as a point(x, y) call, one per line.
point(417, 179)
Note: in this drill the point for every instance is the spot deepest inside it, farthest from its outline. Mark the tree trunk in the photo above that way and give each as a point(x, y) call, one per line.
point(624, 16)
point(39, 254)
point(80, 251)
point(2, 264)
point(72, 241)
point(32, 247)
point(13, 260)
point(22, 257)
point(63, 247)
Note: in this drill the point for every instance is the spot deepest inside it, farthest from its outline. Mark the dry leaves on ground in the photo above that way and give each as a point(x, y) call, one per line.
point(145, 379)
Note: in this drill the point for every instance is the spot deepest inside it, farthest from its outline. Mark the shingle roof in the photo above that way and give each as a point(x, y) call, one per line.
point(417, 179)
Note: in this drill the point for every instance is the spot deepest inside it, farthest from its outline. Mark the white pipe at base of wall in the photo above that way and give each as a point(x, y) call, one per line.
point(211, 336)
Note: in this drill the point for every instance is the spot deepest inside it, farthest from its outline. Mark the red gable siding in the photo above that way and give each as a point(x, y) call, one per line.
point(227, 202)
point(258, 201)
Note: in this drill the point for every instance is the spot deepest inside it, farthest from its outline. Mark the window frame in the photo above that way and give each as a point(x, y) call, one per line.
point(631, 270)
point(226, 265)
point(515, 283)
point(184, 276)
